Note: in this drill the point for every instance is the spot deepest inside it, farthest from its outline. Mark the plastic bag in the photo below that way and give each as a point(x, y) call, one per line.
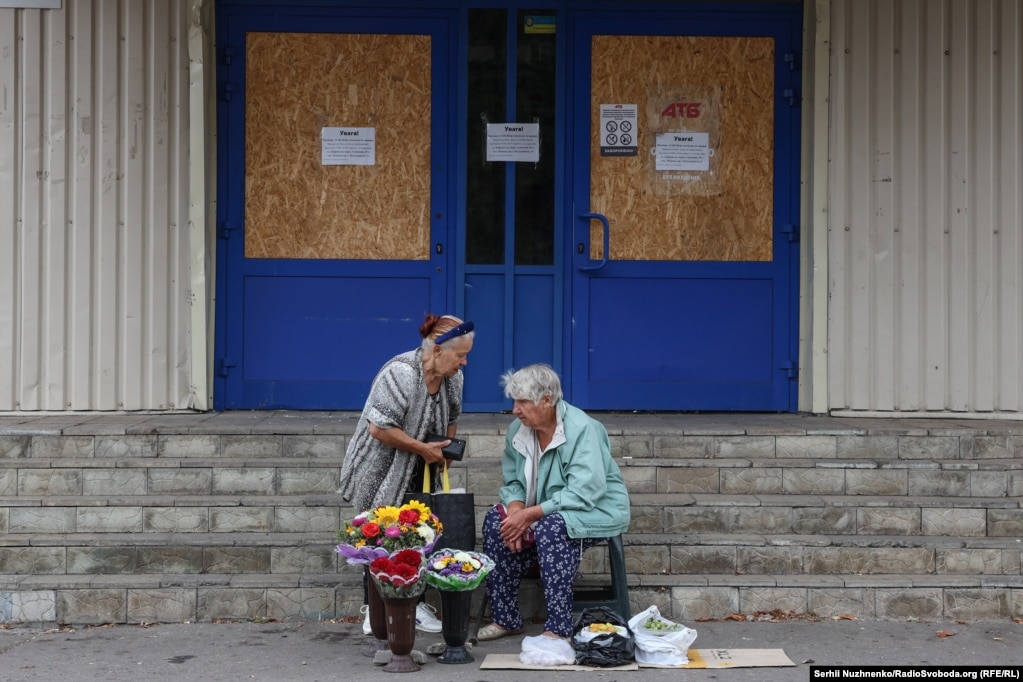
point(665, 644)
point(540, 650)
point(602, 649)
point(457, 511)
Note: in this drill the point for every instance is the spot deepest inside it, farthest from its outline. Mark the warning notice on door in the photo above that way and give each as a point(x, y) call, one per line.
point(348, 146)
point(682, 151)
point(513, 142)
point(618, 128)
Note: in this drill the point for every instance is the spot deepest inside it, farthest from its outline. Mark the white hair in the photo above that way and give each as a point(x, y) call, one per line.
point(532, 382)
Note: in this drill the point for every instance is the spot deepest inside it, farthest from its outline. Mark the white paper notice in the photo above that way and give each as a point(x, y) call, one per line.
point(513, 142)
point(683, 151)
point(349, 146)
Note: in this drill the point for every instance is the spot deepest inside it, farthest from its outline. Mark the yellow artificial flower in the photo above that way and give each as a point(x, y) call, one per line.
point(387, 516)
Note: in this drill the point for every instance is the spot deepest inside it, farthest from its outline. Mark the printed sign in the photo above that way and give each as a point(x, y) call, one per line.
point(683, 151)
point(618, 129)
point(348, 146)
point(513, 142)
point(537, 23)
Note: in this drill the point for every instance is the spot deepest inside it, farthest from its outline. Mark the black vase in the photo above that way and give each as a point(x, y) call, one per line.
point(454, 620)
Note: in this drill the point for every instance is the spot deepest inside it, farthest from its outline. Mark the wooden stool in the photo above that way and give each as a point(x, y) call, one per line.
point(614, 596)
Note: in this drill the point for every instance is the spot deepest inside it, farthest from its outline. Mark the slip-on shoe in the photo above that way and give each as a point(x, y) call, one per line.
point(494, 631)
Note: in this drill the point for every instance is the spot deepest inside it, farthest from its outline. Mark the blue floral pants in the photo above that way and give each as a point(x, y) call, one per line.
point(558, 556)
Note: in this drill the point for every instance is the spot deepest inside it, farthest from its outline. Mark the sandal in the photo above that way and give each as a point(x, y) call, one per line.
point(494, 631)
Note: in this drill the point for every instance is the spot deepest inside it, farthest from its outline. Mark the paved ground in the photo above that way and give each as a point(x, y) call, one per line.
point(311, 651)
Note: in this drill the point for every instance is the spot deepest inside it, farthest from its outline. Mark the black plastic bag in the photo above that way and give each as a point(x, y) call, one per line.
point(606, 649)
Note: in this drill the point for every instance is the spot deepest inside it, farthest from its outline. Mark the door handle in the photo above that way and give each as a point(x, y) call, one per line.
point(607, 240)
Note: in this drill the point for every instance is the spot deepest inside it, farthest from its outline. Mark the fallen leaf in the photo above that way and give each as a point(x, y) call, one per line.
point(946, 633)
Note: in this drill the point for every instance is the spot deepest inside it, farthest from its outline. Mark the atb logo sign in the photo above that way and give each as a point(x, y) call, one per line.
point(681, 110)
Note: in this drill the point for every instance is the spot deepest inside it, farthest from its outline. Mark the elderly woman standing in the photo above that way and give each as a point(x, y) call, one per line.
point(562, 494)
point(414, 394)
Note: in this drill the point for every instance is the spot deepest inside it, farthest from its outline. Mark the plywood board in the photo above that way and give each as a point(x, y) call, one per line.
point(297, 207)
point(721, 86)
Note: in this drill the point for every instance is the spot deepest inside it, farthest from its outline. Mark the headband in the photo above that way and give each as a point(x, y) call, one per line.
point(460, 330)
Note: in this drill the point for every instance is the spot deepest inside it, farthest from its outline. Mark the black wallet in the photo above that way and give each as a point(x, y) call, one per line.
point(453, 450)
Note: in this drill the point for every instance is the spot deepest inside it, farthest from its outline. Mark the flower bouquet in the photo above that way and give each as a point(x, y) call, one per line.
point(385, 530)
point(399, 575)
point(456, 573)
point(398, 579)
point(457, 570)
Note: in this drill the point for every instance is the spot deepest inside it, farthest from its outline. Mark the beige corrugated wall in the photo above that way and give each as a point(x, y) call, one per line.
point(925, 215)
point(94, 207)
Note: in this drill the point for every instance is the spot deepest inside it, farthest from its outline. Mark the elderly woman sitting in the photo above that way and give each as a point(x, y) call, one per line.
point(562, 494)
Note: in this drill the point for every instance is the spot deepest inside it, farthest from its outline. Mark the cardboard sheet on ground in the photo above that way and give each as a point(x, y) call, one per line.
point(698, 658)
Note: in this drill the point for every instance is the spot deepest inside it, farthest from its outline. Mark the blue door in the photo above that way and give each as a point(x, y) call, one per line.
point(334, 209)
point(682, 236)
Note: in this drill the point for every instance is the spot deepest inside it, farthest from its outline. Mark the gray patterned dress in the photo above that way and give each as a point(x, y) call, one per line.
point(376, 474)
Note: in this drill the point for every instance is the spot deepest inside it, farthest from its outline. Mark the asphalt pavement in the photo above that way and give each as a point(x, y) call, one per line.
point(328, 650)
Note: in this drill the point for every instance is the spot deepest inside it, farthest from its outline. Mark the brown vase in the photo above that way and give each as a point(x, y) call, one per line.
point(377, 618)
point(401, 633)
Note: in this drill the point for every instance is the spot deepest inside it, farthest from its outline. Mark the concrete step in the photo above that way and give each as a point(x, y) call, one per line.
point(828, 514)
point(800, 514)
point(854, 477)
point(653, 554)
point(176, 598)
point(312, 476)
point(146, 518)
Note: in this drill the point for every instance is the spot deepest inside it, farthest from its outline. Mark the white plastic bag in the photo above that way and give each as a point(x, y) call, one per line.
point(546, 651)
point(669, 646)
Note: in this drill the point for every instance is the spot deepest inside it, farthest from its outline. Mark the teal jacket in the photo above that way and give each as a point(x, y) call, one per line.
point(577, 479)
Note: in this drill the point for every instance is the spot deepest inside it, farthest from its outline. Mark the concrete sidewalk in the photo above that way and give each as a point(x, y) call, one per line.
point(331, 651)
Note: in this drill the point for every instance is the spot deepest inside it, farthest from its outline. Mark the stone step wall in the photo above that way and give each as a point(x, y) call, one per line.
point(152, 520)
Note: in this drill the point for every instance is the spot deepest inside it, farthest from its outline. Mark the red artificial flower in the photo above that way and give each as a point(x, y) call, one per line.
point(409, 557)
point(371, 529)
point(380, 565)
point(409, 516)
point(405, 571)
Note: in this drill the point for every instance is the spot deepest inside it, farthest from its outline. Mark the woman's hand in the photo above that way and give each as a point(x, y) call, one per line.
point(517, 523)
point(433, 453)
